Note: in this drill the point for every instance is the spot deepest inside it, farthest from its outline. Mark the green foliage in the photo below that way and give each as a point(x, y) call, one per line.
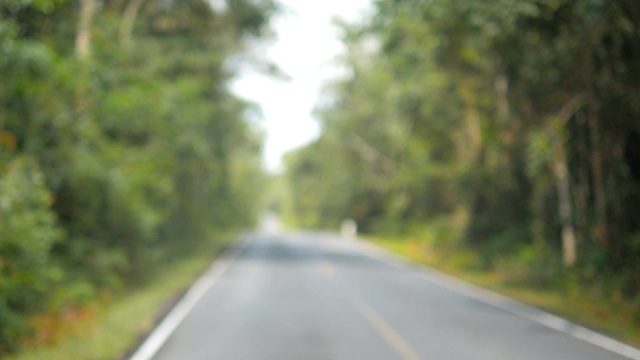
point(113, 163)
point(40, 5)
point(520, 115)
point(29, 231)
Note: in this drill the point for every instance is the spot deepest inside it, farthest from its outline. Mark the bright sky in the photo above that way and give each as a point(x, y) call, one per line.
point(305, 48)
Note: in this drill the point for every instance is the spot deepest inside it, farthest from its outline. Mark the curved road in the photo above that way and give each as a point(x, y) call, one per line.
point(315, 296)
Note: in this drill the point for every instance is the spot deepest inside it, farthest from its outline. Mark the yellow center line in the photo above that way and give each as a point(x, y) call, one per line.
point(384, 330)
point(325, 268)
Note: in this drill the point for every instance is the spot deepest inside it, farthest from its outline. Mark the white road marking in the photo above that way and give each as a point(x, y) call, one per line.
point(499, 301)
point(161, 333)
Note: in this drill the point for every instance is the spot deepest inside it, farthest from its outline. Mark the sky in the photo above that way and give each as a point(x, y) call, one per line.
point(305, 47)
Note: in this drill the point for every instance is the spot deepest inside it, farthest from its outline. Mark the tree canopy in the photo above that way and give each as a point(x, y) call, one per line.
point(503, 126)
point(121, 146)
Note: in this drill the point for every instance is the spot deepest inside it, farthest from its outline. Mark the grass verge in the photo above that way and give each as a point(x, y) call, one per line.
point(111, 328)
point(613, 317)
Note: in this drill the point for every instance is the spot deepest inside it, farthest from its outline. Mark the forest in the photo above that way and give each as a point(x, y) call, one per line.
point(508, 129)
point(121, 147)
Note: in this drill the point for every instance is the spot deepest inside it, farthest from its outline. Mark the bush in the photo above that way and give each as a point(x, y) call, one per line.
point(28, 231)
point(535, 265)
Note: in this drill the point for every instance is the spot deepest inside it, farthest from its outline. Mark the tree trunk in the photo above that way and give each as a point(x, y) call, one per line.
point(501, 86)
point(564, 203)
point(600, 231)
point(83, 35)
point(561, 171)
point(474, 147)
point(128, 19)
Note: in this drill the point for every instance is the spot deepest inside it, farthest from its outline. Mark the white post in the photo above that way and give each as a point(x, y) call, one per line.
point(349, 229)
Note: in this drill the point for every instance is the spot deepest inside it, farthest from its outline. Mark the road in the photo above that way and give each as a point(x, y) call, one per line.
point(317, 296)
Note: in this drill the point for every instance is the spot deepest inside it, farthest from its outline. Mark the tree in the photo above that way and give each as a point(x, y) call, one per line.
point(121, 147)
point(513, 121)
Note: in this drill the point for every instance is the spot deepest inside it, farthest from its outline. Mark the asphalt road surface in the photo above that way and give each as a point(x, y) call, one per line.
point(317, 296)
